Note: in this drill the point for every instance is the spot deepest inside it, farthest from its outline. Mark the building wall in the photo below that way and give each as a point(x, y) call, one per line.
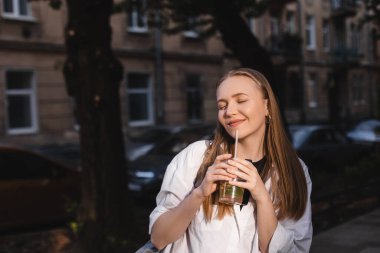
point(54, 112)
point(37, 44)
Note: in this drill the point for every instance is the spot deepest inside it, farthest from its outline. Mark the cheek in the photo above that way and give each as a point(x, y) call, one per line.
point(248, 111)
point(254, 112)
point(220, 115)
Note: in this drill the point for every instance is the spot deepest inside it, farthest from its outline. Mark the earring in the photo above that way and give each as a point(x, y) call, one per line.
point(267, 119)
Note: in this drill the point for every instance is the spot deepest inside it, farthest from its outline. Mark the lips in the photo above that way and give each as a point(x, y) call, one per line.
point(235, 123)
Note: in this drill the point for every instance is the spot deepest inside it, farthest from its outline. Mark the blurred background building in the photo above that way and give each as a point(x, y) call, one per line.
point(331, 63)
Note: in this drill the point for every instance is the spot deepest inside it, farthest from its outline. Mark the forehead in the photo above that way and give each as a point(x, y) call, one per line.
point(238, 84)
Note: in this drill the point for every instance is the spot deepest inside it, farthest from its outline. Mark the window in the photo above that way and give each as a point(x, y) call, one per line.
point(290, 22)
point(274, 26)
point(373, 45)
point(355, 38)
point(326, 34)
point(191, 31)
point(336, 4)
point(194, 98)
point(293, 91)
point(252, 23)
point(357, 89)
point(21, 106)
point(19, 9)
point(140, 99)
point(74, 109)
point(310, 33)
point(312, 90)
point(137, 21)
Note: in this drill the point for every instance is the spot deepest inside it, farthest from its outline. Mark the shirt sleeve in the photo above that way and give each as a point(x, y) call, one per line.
point(178, 180)
point(291, 235)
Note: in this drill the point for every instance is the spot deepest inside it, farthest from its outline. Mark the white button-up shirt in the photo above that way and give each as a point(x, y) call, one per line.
point(234, 233)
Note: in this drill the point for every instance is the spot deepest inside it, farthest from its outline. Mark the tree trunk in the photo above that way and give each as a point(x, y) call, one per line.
point(237, 36)
point(92, 75)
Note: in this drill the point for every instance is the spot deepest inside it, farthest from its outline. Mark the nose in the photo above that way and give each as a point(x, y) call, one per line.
point(230, 110)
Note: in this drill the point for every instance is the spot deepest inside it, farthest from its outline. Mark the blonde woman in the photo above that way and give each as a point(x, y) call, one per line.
point(276, 213)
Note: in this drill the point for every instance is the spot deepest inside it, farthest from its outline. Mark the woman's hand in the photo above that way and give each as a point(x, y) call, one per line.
point(251, 178)
point(216, 172)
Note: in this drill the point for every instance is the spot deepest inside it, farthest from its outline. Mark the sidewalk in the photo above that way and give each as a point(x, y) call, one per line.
point(360, 235)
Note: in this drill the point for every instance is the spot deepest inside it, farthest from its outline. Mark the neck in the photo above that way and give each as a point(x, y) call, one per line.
point(251, 148)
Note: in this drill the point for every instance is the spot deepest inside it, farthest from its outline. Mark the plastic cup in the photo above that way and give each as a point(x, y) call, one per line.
point(230, 194)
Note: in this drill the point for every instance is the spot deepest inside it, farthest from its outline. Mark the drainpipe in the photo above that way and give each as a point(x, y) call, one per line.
point(302, 64)
point(159, 69)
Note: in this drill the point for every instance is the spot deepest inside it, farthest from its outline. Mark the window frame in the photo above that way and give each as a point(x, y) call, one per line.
point(355, 37)
point(133, 15)
point(192, 33)
point(194, 90)
point(358, 89)
point(291, 26)
point(274, 26)
point(32, 94)
point(312, 90)
point(253, 23)
point(310, 30)
point(149, 91)
point(15, 14)
point(326, 32)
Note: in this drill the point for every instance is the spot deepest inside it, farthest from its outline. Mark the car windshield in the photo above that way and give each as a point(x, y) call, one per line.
point(299, 135)
point(368, 125)
point(176, 142)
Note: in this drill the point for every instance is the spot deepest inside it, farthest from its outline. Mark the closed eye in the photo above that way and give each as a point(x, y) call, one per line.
point(222, 105)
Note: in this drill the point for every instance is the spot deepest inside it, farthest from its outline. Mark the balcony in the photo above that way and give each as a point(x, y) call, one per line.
point(286, 45)
point(343, 8)
point(345, 56)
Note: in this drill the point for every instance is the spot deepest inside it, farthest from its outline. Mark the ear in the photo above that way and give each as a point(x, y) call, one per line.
point(266, 107)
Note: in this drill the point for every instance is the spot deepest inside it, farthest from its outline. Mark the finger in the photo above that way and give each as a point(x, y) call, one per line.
point(243, 184)
point(221, 165)
point(222, 158)
point(218, 177)
point(241, 165)
point(244, 162)
point(221, 169)
point(242, 176)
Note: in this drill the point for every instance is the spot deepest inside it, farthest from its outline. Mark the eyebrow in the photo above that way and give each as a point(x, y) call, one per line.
point(234, 95)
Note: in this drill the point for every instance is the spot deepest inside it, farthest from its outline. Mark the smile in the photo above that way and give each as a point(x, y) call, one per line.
point(235, 123)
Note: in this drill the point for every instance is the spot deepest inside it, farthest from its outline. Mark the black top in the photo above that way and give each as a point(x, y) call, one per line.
point(260, 167)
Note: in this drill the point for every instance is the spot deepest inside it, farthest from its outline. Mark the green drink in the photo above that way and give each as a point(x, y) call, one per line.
point(230, 194)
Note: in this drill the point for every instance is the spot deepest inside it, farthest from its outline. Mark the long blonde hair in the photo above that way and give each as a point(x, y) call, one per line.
point(288, 182)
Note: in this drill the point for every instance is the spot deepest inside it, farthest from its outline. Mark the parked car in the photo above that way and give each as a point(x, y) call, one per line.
point(68, 153)
point(140, 140)
point(324, 147)
point(146, 172)
point(367, 131)
point(34, 190)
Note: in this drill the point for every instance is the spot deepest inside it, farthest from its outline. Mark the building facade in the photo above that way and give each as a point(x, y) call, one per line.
point(331, 65)
point(332, 74)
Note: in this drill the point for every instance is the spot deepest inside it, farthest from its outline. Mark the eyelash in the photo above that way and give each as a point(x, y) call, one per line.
point(225, 106)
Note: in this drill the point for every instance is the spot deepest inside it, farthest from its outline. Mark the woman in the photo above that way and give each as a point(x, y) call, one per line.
point(276, 216)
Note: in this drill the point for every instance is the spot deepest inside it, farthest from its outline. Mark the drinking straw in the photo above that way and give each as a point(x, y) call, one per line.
point(236, 142)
